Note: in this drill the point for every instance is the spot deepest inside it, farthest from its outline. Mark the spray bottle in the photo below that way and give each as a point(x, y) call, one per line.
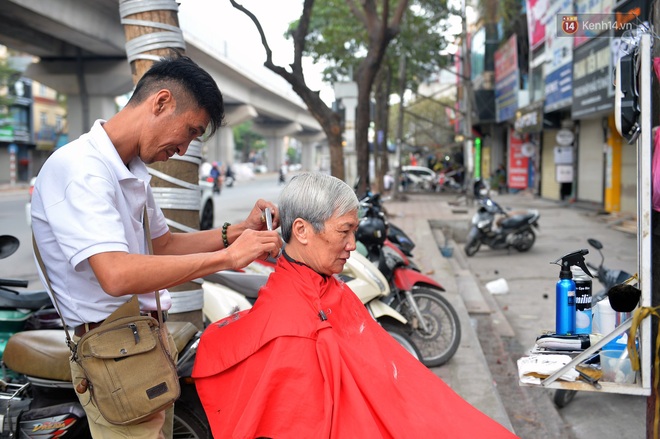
point(565, 289)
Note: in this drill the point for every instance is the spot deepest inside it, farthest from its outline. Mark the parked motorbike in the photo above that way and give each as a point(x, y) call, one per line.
point(607, 277)
point(493, 226)
point(372, 204)
point(433, 323)
point(227, 292)
point(37, 398)
point(21, 311)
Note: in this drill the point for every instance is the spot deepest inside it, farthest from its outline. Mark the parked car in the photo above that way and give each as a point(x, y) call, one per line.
point(206, 211)
point(418, 178)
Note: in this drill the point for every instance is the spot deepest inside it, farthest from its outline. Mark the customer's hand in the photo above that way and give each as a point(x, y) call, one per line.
point(252, 245)
point(256, 220)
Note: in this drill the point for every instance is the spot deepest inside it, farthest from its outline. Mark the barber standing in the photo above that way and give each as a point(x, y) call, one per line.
point(87, 215)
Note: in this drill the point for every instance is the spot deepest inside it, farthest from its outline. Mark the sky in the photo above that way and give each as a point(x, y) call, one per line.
point(234, 35)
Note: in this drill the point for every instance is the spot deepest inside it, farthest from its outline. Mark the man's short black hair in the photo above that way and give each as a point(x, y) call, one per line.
point(192, 80)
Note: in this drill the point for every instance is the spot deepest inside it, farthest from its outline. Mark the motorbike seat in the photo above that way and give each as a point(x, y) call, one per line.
point(182, 332)
point(44, 353)
point(516, 220)
point(41, 354)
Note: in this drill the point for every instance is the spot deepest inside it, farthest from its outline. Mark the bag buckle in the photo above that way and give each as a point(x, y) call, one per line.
point(136, 334)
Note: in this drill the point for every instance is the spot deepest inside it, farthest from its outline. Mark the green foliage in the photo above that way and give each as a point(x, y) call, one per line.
point(245, 138)
point(426, 122)
point(506, 12)
point(338, 39)
point(8, 77)
point(292, 155)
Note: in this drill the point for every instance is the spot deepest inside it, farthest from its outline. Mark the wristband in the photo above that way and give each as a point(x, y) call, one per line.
point(224, 234)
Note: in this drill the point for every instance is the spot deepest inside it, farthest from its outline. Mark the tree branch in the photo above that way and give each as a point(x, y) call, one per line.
point(357, 12)
point(264, 41)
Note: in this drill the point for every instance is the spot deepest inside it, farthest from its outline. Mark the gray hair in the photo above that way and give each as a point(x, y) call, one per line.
point(314, 197)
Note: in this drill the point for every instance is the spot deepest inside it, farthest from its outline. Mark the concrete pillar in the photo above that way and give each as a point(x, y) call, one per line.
point(275, 155)
point(220, 147)
point(308, 152)
point(346, 93)
point(99, 107)
point(274, 135)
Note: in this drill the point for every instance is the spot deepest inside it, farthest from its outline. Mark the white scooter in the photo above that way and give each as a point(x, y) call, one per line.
point(228, 292)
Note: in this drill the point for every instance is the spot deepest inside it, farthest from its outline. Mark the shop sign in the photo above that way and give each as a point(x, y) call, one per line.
point(592, 18)
point(518, 173)
point(6, 133)
point(563, 155)
point(529, 120)
point(535, 12)
point(565, 137)
point(558, 88)
point(558, 67)
point(506, 80)
point(564, 173)
point(592, 77)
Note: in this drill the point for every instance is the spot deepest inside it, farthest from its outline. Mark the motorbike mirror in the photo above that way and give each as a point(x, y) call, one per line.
point(595, 243)
point(8, 245)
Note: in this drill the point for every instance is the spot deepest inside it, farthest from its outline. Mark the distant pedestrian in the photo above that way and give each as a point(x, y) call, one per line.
point(215, 175)
point(282, 178)
point(499, 180)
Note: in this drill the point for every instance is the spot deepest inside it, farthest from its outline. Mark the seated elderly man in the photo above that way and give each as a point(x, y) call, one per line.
point(308, 361)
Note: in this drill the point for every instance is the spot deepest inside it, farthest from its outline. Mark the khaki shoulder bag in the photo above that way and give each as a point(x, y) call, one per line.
point(128, 368)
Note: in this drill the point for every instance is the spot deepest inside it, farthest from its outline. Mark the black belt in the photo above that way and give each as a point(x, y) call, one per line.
point(81, 330)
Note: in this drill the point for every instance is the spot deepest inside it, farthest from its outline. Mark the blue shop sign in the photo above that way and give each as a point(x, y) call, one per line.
point(506, 97)
point(559, 88)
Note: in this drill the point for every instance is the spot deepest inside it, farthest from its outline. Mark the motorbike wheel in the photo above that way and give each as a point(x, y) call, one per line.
point(206, 223)
point(526, 240)
point(190, 421)
point(440, 343)
point(400, 335)
point(472, 247)
point(564, 397)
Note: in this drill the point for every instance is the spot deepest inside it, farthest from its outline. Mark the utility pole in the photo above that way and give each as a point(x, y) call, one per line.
point(468, 159)
point(152, 32)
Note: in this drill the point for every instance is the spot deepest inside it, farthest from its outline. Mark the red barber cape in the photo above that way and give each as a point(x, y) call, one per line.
point(308, 361)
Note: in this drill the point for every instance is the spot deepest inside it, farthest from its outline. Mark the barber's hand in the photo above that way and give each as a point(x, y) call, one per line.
point(251, 245)
point(256, 220)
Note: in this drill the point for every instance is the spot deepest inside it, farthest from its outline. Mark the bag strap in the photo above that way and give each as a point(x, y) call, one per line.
point(150, 246)
point(69, 340)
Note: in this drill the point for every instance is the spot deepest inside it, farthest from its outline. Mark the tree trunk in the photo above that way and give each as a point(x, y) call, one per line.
point(174, 169)
point(365, 79)
point(399, 129)
point(381, 165)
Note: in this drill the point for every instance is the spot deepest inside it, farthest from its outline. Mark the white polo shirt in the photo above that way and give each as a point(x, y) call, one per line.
point(85, 202)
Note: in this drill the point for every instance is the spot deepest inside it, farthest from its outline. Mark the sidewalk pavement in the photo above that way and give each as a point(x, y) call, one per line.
point(484, 363)
point(467, 372)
